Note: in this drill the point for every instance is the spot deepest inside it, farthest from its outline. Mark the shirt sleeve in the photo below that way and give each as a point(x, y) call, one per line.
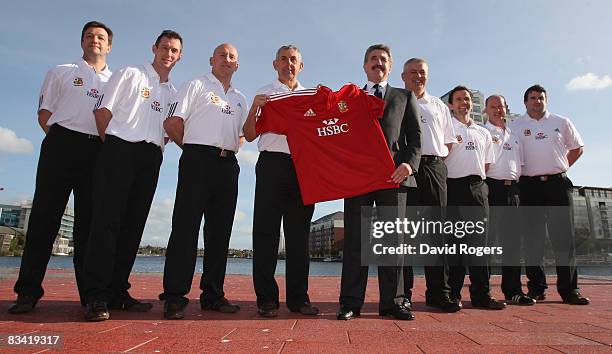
point(115, 90)
point(50, 92)
point(272, 118)
point(571, 137)
point(449, 131)
point(182, 105)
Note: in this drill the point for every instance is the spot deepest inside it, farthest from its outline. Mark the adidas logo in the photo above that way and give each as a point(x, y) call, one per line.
point(331, 121)
point(310, 113)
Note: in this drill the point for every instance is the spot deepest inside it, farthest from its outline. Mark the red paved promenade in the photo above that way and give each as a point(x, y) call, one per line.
point(548, 327)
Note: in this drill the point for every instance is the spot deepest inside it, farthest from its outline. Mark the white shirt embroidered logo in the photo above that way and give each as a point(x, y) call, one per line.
point(93, 93)
point(310, 113)
point(541, 136)
point(156, 106)
point(227, 109)
point(77, 81)
point(332, 128)
point(507, 146)
point(470, 145)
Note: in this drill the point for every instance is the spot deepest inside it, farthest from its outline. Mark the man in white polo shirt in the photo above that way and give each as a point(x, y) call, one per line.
point(438, 136)
point(129, 115)
point(551, 145)
point(277, 196)
point(66, 163)
point(206, 121)
point(502, 179)
point(467, 163)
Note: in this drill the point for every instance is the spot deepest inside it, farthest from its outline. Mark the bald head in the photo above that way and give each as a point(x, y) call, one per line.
point(496, 109)
point(224, 61)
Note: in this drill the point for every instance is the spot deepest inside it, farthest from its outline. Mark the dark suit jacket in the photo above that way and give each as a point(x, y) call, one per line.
point(401, 128)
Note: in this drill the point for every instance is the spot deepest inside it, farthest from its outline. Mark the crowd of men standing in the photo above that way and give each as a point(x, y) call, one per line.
point(105, 137)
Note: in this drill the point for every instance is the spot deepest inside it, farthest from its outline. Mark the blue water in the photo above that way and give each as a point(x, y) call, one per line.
point(245, 266)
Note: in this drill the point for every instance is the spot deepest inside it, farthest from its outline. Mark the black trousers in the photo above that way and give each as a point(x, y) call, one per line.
point(470, 191)
point(430, 191)
point(556, 191)
point(66, 164)
point(277, 196)
point(126, 179)
point(355, 276)
point(207, 186)
point(505, 227)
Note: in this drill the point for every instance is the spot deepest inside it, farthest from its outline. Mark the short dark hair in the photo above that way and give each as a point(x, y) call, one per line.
point(96, 24)
point(457, 88)
point(170, 34)
point(534, 88)
point(377, 47)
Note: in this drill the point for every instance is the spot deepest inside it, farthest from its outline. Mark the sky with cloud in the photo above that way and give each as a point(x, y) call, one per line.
point(495, 47)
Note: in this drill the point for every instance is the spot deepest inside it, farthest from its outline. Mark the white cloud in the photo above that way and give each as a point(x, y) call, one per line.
point(10, 143)
point(247, 156)
point(159, 223)
point(239, 215)
point(589, 81)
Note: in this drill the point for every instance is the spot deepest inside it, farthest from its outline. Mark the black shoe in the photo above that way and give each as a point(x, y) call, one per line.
point(456, 300)
point(346, 313)
point(445, 304)
point(96, 311)
point(222, 305)
point(23, 304)
point(576, 299)
point(399, 312)
point(537, 296)
point(268, 310)
point(127, 303)
point(407, 304)
point(173, 310)
point(520, 299)
point(306, 309)
point(489, 303)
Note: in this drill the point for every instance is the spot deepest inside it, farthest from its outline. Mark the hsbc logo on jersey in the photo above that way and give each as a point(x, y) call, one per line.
point(470, 145)
point(156, 106)
point(541, 136)
point(93, 93)
point(507, 146)
point(332, 127)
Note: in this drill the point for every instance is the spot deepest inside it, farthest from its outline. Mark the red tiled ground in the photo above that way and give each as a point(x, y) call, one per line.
point(548, 327)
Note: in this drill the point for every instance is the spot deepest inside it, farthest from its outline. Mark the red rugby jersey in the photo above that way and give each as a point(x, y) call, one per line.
point(335, 139)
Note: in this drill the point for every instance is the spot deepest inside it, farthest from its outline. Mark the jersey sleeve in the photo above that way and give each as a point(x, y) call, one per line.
point(50, 92)
point(449, 131)
point(115, 90)
point(374, 105)
point(184, 100)
point(571, 137)
point(272, 118)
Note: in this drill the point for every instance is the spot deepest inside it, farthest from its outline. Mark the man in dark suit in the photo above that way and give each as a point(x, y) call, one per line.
point(402, 132)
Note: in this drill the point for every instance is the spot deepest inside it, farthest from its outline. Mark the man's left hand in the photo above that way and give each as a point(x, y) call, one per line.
point(401, 173)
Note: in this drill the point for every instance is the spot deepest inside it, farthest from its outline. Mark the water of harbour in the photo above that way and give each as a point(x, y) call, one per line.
point(242, 266)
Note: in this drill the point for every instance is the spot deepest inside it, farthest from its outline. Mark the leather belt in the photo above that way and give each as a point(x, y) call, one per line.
point(546, 178)
point(430, 158)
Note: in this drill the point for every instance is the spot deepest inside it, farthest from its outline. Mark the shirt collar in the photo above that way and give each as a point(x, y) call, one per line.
point(105, 72)
point(212, 78)
point(545, 116)
point(279, 85)
point(151, 71)
point(382, 84)
point(425, 98)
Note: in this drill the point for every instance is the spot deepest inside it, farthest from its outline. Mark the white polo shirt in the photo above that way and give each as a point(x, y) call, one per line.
point(69, 92)
point(508, 157)
point(436, 126)
point(270, 141)
point(545, 143)
point(211, 116)
point(138, 102)
point(472, 151)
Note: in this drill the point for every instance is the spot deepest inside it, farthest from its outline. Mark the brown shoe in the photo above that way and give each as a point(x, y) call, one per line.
point(490, 304)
